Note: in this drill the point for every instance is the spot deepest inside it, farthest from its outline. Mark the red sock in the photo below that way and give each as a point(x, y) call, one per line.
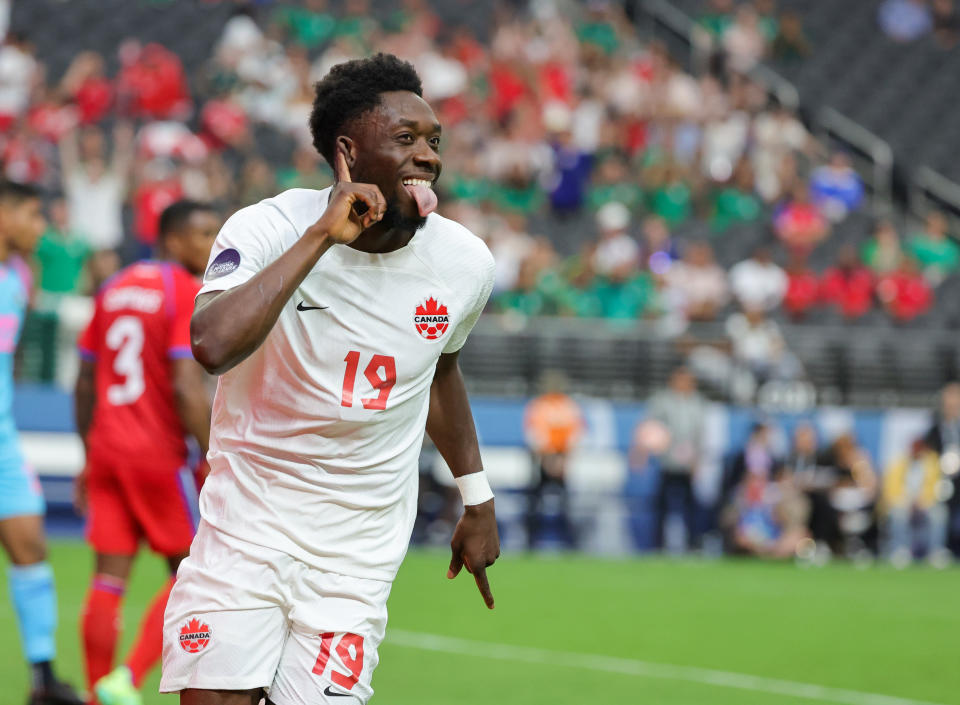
point(146, 651)
point(101, 623)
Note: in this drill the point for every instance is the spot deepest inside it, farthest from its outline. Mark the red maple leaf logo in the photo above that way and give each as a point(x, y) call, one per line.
point(431, 319)
point(194, 636)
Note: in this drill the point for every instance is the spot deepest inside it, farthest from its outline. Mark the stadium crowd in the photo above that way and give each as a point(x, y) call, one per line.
point(561, 120)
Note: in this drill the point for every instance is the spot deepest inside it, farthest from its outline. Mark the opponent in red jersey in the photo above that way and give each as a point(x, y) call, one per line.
point(138, 394)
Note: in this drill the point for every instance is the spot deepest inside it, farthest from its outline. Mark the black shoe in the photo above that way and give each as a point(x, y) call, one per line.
point(56, 693)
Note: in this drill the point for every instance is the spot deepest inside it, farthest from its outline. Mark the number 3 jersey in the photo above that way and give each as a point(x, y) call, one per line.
point(316, 436)
point(141, 322)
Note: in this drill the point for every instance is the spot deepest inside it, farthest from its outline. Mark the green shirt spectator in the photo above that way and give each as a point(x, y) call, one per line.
point(310, 26)
point(628, 299)
point(463, 187)
point(630, 195)
point(601, 34)
point(882, 252)
point(61, 256)
point(732, 205)
point(518, 199)
point(933, 249)
point(673, 201)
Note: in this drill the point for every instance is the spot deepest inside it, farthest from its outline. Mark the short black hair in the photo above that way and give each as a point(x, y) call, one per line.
point(351, 89)
point(176, 215)
point(16, 192)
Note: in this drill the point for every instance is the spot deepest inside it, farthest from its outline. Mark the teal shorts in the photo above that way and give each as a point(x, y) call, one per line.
point(20, 491)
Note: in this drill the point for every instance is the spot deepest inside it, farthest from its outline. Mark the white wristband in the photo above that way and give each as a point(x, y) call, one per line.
point(474, 488)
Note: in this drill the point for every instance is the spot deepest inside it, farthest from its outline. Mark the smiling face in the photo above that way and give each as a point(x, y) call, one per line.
point(396, 145)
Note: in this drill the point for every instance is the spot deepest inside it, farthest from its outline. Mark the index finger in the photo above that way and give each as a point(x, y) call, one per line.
point(343, 171)
point(480, 576)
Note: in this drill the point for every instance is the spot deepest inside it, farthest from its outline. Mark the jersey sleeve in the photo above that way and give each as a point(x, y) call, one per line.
point(179, 341)
point(247, 243)
point(484, 285)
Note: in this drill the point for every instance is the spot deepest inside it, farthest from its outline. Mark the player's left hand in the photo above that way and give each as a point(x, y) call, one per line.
point(476, 545)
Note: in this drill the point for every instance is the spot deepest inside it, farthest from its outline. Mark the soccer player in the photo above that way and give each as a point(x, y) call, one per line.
point(335, 318)
point(139, 392)
point(21, 500)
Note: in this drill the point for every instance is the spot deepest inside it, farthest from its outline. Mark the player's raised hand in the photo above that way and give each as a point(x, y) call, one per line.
point(476, 545)
point(352, 208)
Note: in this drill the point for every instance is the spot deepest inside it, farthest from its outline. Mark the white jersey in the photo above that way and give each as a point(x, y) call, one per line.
point(316, 436)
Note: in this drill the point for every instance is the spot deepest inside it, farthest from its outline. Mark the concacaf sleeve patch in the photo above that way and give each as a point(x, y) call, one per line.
point(223, 264)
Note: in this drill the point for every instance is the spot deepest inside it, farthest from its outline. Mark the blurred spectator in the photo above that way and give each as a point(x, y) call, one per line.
point(306, 171)
point(669, 194)
point(158, 188)
point(882, 253)
point(310, 25)
point(256, 181)
point(735, 201)
point(790, 45)
point(697, 285)
point(757, 282)
point(905, 20)
point(848, 285)
point(616, 250)
point(851, 493)
point(525, 297)
point(682, 411)
point(836, 188)
point(912, 500)
point(94, 187)
point(87, 85)
point(943, 437)
point(814, 475)
point(904, 293)
point(571, 172)
point(151, 82)
point(934, 250)
point(744, 40)
point(803, 288)
point(611, 182)
point(799, 224)
point(60, 255)
point(759, 348)
point(18, 72)
point(717, 17)
point(659, 249)
point(777, 133)
point(552, 424)
point(946, 23)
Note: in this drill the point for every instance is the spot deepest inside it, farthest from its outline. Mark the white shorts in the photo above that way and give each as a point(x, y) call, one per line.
point(242, 616)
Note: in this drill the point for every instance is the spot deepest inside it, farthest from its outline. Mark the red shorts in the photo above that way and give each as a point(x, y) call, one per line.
point(134, 498)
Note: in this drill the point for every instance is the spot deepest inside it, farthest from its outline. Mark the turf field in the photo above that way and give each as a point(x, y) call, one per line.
point(651, 631)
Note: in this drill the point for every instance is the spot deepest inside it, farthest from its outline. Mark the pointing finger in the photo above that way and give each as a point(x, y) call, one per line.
point(480, 576)
point(343, 171)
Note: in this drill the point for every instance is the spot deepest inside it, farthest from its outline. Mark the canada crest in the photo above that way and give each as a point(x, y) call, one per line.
point(431, 319)
point(194, 636)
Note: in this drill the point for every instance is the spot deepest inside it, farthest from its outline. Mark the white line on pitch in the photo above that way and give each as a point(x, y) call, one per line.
point(612, 664)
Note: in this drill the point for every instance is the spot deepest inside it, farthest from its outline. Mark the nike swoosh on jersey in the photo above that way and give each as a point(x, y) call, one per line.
point(301, 307)
point(327, 691)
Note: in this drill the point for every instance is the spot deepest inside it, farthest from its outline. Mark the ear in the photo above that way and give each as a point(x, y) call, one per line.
point(349, 149)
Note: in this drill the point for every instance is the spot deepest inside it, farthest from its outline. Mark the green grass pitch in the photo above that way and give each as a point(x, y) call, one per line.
point(648, 631)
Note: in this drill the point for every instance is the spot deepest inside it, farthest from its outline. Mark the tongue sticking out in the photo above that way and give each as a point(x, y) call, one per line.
point(425, 197)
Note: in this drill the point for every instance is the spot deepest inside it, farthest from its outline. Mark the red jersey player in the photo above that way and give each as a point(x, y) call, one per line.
point(139, 392)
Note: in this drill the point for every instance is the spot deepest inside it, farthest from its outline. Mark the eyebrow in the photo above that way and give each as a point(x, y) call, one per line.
point(413, 123)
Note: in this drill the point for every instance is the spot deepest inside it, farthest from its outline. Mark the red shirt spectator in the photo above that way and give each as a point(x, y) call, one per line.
point(93, 99)
point(904, 292)
point(848, 286)
point(507, 88)
point(799, 224)
point(802, 289)
point(149, 201)
point(152, 83)
point(223, 123)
